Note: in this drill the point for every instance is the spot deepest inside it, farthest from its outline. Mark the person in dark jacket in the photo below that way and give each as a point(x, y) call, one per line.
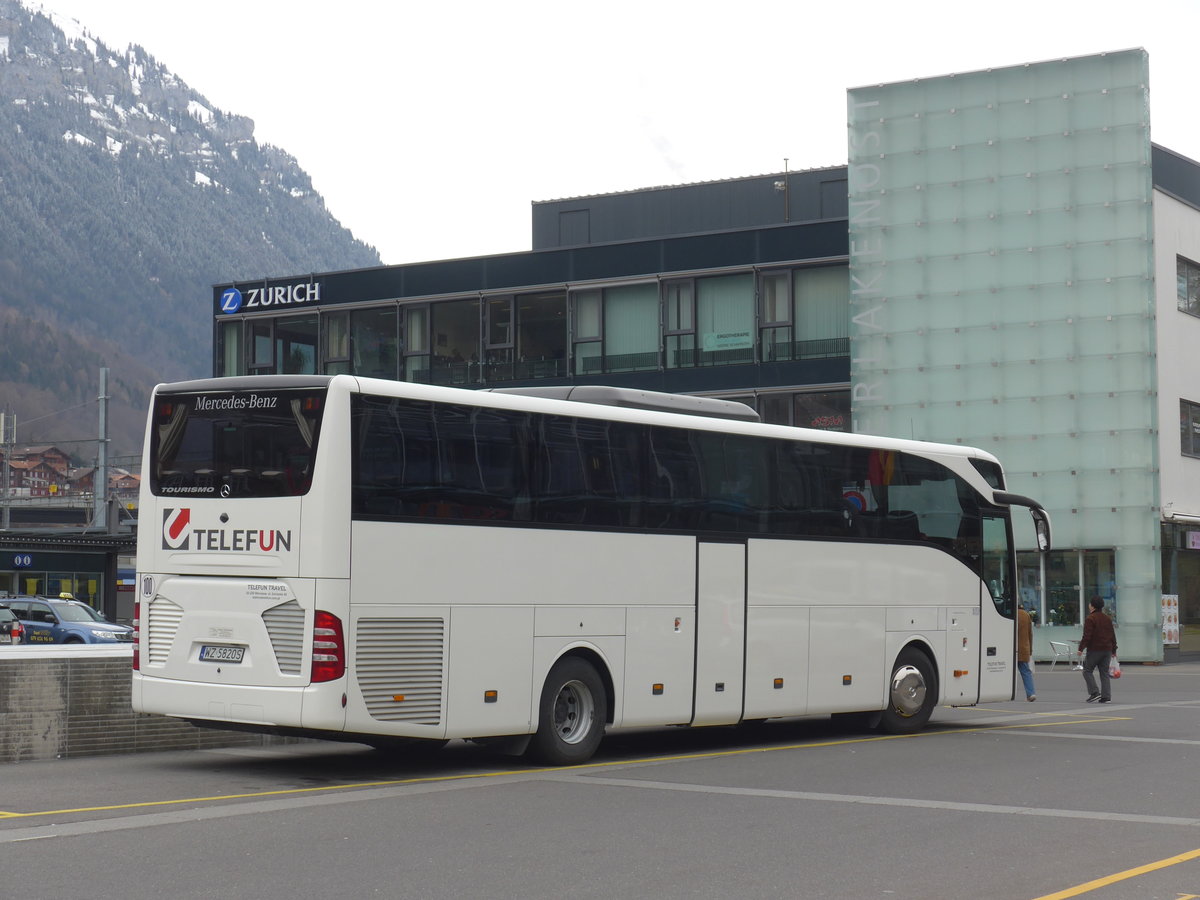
point(1100, 641)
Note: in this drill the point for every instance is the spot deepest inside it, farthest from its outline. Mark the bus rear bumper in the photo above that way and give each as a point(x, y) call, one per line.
point(317, 707)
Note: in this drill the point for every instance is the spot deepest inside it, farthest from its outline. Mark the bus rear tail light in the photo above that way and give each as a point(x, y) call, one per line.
point(328, 648)
point(137, 634)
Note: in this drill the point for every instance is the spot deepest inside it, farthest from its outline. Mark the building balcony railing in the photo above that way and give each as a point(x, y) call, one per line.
point(470, 373)
point(824, 348)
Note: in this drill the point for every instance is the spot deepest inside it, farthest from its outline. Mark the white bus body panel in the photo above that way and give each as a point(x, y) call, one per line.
point(187, 536)
point(997, 646)
point(851, 609)
point(962, 655)
point(188, 612)
point(777, 640)
point(720, 633)
point(581, 590)
point(269, 619)
point(660, 654)
point(503, 636)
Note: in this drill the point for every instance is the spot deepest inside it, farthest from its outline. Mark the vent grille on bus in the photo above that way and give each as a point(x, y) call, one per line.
point(398, 665)
point(163, 618)
point(285, 627)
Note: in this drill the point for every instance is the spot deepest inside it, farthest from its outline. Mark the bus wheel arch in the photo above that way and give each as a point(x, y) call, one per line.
point(573, 709)
point(912, 691)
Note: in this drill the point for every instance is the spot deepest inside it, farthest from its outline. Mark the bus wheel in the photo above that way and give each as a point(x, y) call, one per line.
point(912, 694)
point(571, 714)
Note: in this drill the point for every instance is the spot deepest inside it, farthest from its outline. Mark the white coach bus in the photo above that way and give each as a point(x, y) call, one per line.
point(387, 562)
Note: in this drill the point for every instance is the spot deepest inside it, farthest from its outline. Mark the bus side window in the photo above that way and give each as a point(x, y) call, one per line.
point(674, 485)
point(558, 475)
point(735, 470)
point(377, 462)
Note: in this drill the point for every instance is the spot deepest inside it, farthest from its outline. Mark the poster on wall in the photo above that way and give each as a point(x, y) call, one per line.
point(1170, 619)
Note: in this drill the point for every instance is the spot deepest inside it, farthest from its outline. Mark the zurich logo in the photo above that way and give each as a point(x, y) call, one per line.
point(231, 300)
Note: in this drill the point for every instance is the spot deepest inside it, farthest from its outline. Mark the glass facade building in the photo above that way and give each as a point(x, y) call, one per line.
point(1006, 262)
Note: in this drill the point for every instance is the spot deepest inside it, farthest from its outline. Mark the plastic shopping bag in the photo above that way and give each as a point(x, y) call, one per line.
point(1114, 667)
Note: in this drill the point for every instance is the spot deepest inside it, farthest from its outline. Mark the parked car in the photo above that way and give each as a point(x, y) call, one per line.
point(49, 621)
point(11, 629)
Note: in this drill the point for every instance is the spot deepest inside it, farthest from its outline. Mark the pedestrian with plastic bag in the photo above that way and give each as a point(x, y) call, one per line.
point(1100, 643)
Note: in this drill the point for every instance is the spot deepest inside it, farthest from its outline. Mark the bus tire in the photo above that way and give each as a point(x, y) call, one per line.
point(912, 693)
point(571, 714)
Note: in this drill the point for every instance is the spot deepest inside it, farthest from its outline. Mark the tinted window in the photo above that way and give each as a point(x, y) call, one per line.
point(419, 460)
point(991, 472)
point(243, 444)
point(587, 472)
point(438, 461)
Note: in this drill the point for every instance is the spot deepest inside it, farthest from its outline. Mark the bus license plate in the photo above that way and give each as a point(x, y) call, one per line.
point(209, 653)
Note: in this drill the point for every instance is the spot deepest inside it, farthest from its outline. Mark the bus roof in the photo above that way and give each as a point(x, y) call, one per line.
point(565, 397)
point(658, 401)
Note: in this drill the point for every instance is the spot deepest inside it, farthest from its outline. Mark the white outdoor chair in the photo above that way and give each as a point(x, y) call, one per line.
point(1062, 650)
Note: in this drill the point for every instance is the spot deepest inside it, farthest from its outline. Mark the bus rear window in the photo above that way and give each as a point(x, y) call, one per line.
point(235, 444)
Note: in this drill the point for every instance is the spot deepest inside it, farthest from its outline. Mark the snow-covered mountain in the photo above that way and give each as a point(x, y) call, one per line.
point(125, 196)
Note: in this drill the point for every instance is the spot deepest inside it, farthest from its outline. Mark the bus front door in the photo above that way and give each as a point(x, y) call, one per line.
point(720, 633)
point(997, 612)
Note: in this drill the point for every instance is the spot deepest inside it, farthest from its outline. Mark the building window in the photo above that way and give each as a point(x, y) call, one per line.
point(231, 358)
point(631, 328)
point(416, 343)
point(679, 297)
point(587, 332)
point(337, 343)
point(454, 326)
point(725, 320)
point(262, 346)
point(296, 345)
point(823, 410)
point(804, 313)
point(821, 312)
point(374, 344)
point(775, 315)
point(1056, 587)
point(1189, 428)
point(499, 340)
point(541, 336)
point(1187, 286)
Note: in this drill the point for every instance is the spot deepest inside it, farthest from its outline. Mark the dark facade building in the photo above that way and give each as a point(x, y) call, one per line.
point(733, 288)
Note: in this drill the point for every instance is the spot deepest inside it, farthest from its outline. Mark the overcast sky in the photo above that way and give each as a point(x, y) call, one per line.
point(430, 127)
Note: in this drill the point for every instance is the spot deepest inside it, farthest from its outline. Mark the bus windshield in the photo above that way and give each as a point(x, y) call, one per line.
point(235, 444)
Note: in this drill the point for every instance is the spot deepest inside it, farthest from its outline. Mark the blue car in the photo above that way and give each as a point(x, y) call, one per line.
point(49, 621)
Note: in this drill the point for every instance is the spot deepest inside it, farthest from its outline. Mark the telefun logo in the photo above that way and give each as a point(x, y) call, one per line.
point(175, 528)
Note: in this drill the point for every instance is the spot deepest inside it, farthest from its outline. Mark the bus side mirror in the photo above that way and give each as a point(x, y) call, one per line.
point(1041, 518)
point(1041, 525)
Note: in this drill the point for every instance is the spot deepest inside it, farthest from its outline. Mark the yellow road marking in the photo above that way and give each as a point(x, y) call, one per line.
point(713, 754)
point(1123, 876)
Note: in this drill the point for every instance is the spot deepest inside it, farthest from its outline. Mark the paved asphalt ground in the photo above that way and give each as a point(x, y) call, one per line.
point(1053, 799)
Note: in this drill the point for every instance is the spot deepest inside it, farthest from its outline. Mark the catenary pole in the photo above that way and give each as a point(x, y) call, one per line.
point(100, 481)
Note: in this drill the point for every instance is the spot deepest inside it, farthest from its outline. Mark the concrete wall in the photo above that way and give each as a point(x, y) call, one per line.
point(74, 702)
